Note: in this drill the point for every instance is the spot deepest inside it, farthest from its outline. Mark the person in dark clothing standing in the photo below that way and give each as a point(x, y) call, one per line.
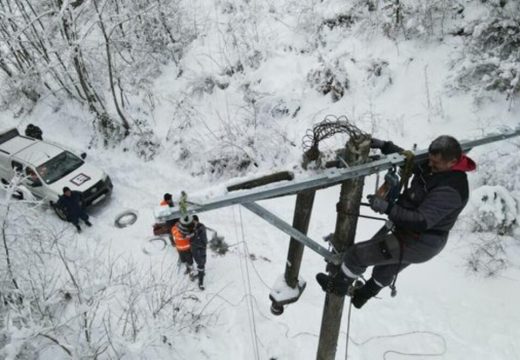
point(422, 217)
point(199, 243)
point(70, 202)
point(34, 131)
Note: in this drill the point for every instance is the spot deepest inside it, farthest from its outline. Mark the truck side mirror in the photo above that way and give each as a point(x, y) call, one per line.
point(83, 155)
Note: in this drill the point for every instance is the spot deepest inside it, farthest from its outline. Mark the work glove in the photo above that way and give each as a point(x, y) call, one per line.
point(376, 143)
point(378, 204)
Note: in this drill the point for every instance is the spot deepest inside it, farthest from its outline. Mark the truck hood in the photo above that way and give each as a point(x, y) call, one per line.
point(80, 179)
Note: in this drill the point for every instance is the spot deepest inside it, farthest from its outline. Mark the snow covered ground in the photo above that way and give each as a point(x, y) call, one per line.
point(442, 307)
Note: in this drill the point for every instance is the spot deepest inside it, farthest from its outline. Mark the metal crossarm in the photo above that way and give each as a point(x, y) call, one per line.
point(328, 177)
point(288, 229)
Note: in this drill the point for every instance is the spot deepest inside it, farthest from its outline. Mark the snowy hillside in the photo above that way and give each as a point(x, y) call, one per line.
point(231, 99)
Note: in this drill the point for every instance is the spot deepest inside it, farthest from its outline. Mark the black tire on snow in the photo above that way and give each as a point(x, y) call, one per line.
point(59, 211)
point(126, 218)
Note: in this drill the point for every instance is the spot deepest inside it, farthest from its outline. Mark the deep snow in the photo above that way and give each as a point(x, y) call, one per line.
point(441, 307)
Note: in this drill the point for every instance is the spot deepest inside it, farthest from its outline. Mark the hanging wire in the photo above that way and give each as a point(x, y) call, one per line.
point(247, 284)
point(408, 333)
point(348, 328)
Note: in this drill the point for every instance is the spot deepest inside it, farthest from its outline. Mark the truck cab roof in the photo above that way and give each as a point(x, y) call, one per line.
point(27, 149)
point(38, 153)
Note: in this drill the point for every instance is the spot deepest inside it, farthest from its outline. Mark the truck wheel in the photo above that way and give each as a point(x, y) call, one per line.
point(59, 211)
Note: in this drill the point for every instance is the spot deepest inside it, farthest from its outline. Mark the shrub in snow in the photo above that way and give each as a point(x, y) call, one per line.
point(408, 18)
point(379, 75)
point(237, 163)
point(206, 84)
point(331, 80)
point(68, 297)
point(492, 209)
point(231, 70)
point(146, 145)
point(341, 20)
point(218, 245)
point(494, 56)
point(500, 167)
point(488, 256)
point(245, 135)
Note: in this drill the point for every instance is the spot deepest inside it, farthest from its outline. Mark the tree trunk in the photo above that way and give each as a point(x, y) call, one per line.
point(126, 125)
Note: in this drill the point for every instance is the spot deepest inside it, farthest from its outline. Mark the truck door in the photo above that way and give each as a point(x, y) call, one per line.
point(34, 182)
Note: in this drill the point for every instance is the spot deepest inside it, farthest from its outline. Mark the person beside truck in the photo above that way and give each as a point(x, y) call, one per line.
point(45, 168)
point(70, 203)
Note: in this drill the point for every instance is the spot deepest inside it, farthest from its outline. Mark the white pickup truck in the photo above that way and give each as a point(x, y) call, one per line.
point(46, 168)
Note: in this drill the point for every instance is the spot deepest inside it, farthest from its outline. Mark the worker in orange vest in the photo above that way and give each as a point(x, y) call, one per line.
point(166, 228)
point(182, 232)
point(167, 200)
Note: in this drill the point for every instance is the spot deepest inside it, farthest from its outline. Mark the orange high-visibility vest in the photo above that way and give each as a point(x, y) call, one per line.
point(182, 242)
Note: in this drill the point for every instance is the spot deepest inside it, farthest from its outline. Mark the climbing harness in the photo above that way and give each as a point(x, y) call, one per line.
point(391, 187)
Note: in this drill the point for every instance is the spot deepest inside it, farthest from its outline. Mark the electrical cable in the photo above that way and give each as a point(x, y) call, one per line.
point(391, 336)
point(348, 328)
point(246, 252)
point(247, 285)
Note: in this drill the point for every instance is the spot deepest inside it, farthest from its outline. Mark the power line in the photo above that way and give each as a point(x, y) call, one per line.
point(246, 282)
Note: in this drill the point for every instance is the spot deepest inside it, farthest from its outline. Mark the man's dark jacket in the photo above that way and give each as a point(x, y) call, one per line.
point(200, 238)
point(433, 201)
point(71, 205)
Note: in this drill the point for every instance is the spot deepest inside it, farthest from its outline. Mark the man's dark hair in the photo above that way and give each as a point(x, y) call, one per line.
point(447, 147)
point(196, 218)
point(65, 189)
point(167, 197)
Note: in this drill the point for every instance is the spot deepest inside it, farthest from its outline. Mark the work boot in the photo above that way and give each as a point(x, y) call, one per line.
point(193, 275)
point(201, 280)
point(364, 293)
point(78, 227)
point(188, 270)
point(88, 223)
point(337, 284)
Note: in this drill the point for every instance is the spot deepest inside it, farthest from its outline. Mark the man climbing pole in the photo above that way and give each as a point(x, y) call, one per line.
point(422, 217)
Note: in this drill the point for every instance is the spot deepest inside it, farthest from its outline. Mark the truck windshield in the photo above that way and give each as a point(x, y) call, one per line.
point(58, 167)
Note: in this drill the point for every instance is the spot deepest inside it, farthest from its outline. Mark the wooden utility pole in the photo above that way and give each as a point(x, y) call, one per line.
point(301, 220)
point(344, 235)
